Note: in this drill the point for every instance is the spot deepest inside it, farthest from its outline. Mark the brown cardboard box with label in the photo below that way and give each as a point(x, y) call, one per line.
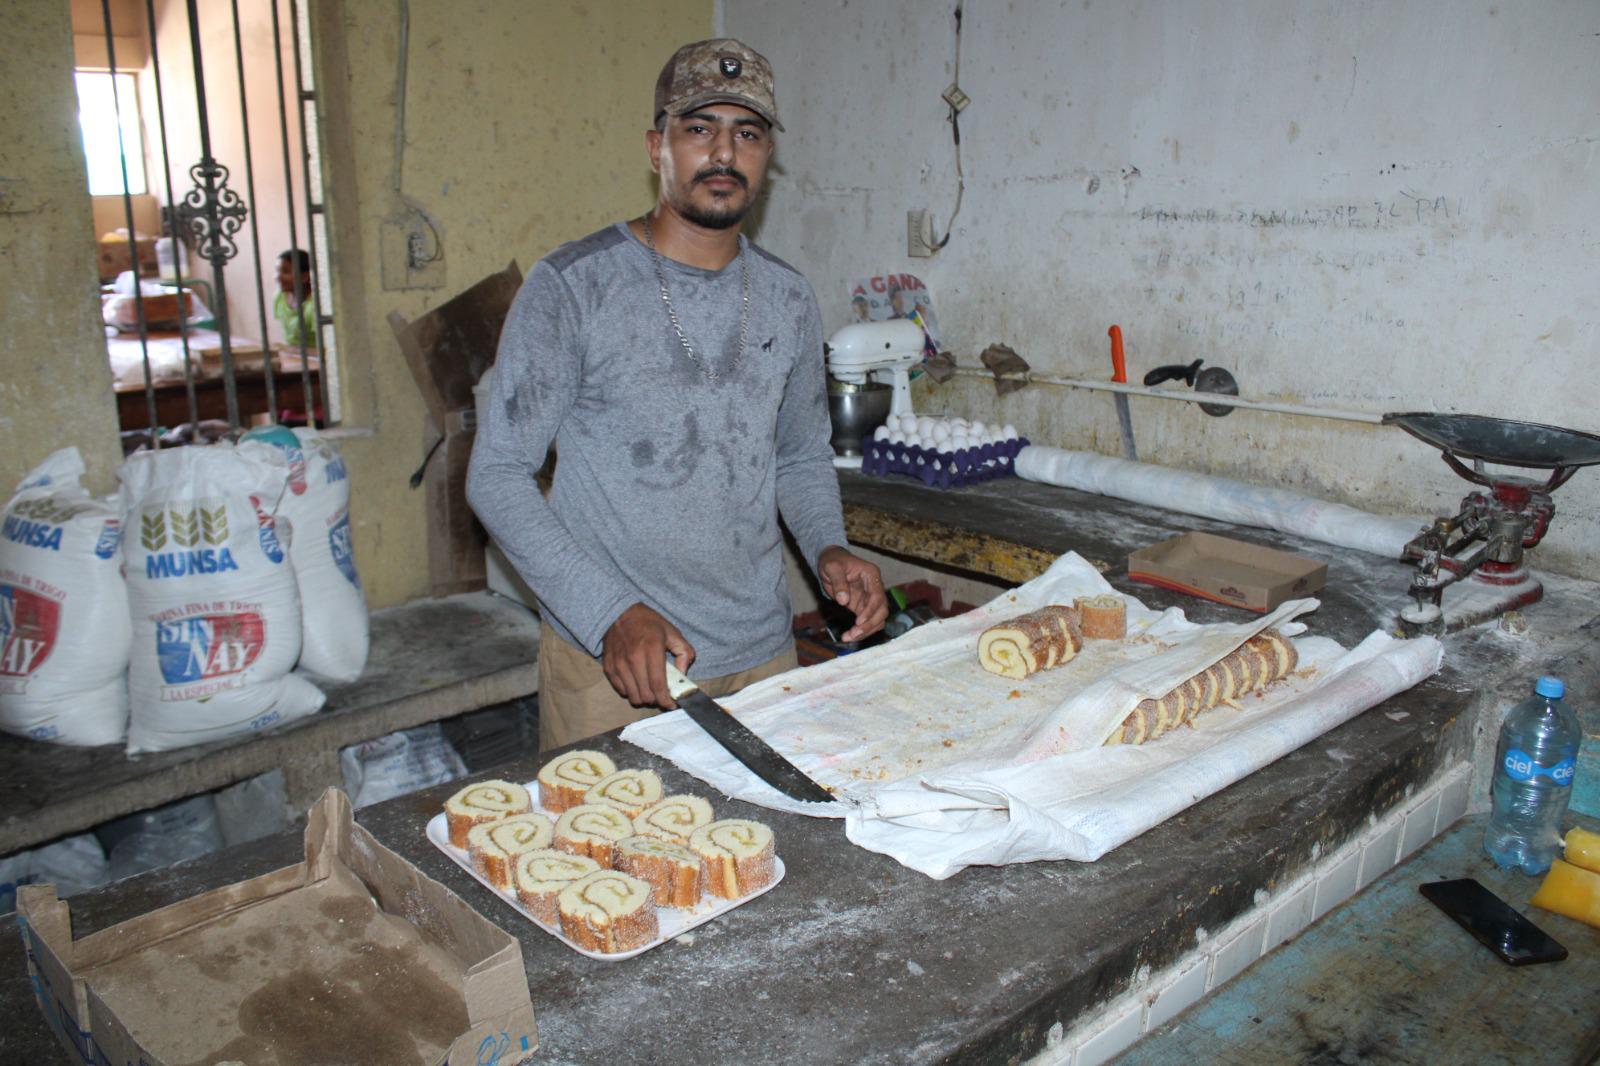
point(351, 956)
point(1228, 571)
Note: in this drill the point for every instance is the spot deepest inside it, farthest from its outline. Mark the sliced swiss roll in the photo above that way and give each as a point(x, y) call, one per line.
point(564, 779)
point(541, 875)
point(736, 857)
point(608, 911)
point(1038, 640)
point(592, 829)
point(672, 870)
point(674, 818)
point(1103, 617)
point(487, 801)
point(629, 791)
point(494, 846)
point(1267, 657)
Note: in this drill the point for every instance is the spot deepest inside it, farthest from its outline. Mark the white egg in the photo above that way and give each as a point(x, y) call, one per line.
point(941, 431)
point(1009, 432)
point(881, 433)
point(896, 437)
point(959, 442)
point(979, 429)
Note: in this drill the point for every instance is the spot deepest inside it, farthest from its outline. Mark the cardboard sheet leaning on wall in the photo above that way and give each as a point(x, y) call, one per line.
point(64, 628)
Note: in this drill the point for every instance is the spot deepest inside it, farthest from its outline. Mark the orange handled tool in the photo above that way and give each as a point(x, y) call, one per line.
point(1119, 365)
point(1119, 374)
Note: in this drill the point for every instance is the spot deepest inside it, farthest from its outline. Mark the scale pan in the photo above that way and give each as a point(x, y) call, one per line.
point(1496, 440)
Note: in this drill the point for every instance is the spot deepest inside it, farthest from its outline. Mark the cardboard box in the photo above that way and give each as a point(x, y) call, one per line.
point(352, 956)
point(1228, 571)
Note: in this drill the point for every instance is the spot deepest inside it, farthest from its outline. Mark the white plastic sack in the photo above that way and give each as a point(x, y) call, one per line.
point(1219, 497)
point(386, 767)
point(73, 864)
point(333, 608)
point(254, 808)
point(63, 611)
point(216, 615)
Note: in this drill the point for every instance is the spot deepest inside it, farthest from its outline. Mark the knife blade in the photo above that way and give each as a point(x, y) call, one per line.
point(1119, 374)
point(741, 743)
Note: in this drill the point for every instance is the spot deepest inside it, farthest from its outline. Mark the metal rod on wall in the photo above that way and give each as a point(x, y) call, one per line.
point(312, 208)
point(288, 188)
point(133, 239)
point(172, 222)
point(255, 231)
point(218, 207)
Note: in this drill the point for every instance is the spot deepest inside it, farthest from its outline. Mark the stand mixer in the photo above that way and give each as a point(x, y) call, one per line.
point(1488, 579)
point(863, 358)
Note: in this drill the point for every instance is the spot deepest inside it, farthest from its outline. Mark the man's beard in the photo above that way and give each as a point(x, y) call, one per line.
point(719, 215)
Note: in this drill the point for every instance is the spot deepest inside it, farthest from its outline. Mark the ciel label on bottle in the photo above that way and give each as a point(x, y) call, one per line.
point(1520, 766)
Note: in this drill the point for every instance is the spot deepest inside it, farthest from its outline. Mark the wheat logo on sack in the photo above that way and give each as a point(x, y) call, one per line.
point(37, 523)
point(267, 532)
point(205, 653)
point(28, 623)
point(199, 535)
point(335, 471)
point(343, 552)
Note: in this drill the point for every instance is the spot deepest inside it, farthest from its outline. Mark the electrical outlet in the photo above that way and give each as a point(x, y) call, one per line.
point(957, 99)
point(919, 234)
point(409, 254)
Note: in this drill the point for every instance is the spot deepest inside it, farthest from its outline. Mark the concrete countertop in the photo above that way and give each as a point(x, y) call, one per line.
point(857, 959)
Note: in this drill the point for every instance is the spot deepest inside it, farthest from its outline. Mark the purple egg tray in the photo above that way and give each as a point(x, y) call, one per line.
point(969, 466)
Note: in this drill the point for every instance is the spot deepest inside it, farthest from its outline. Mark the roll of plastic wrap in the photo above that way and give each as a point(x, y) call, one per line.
point(1219, 497)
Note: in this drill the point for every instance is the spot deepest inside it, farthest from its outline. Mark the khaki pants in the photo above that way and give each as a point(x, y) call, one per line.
point(577, 701)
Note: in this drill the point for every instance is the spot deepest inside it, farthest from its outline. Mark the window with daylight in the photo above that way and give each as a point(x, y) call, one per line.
point(109, 145)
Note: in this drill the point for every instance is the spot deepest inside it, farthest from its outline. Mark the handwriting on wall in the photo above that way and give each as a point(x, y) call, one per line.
point(1407, 208)
point(1213, 286)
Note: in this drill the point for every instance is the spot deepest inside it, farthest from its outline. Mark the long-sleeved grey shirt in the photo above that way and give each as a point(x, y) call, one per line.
point(667, 487)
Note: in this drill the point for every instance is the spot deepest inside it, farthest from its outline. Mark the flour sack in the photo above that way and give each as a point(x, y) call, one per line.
point(216, 614)
point(333, 609)
point(63, 611)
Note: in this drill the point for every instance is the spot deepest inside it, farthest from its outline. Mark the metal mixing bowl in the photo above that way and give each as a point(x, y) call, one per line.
point(855, 411)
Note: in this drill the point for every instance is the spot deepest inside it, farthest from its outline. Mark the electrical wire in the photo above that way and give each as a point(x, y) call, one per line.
point(955, 134)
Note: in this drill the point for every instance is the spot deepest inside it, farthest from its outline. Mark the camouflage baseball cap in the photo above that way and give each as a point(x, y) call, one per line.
point(718, 71)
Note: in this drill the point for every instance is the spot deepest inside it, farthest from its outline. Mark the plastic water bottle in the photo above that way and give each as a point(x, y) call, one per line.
point(1533, 767)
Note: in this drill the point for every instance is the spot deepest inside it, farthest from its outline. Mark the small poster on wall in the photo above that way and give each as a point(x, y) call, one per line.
point(886, 296)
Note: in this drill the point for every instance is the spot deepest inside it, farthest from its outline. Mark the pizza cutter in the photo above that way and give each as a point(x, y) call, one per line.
point(1211, 379)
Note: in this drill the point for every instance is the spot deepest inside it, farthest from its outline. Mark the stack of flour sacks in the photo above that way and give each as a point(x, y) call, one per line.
point(193, 605)
point(942, 452)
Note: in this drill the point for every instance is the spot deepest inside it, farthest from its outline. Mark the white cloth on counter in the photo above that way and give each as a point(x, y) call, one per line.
point(942, 765)
point(1219, 497)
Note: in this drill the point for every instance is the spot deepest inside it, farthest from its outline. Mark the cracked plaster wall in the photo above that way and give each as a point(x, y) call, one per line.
point(1367, 206)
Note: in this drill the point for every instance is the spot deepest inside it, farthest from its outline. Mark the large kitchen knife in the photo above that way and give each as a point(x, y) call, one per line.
point(1119, 374)
point(744, 745)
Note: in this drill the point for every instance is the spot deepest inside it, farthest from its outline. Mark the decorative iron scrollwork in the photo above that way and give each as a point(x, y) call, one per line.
point(212, 212)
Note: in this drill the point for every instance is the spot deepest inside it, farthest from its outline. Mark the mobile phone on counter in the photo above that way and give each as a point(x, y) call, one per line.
point(1493, 923)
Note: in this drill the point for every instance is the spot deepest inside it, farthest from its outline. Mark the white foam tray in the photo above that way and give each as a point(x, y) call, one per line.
point(674, 921)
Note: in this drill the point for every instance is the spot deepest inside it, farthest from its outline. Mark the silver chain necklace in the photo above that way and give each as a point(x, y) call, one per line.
point(672, 315)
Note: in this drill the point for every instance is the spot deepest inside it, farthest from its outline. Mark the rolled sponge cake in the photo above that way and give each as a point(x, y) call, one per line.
point(1028, 643)
point(1265, 658)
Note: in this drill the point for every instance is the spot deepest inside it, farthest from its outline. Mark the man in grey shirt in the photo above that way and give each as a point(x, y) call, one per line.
point(679, 371)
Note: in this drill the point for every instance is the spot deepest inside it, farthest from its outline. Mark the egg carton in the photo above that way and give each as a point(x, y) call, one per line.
point(942, 469)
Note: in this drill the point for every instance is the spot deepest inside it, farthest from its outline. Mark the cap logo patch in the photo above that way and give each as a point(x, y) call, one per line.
point(731, 67)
